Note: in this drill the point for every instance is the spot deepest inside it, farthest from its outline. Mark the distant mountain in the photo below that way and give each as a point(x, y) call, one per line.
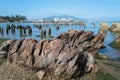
point(112, 19)
point(63, 16)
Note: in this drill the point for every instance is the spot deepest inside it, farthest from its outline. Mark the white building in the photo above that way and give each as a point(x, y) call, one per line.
point(70, 20)
point(56, 20)
point(41, 21)
point(63, 20)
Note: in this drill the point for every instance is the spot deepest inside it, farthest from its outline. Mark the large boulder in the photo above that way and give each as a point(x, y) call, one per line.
point(115, 43)
point(115, 27)
point(69, 55)
point(103, 28)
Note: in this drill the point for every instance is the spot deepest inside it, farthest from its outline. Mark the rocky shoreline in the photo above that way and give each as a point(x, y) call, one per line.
point(69, 55)
point(115, 43)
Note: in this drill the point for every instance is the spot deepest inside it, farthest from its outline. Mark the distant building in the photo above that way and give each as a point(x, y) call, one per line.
point(1, 20)
point(41, 21)
point(38, 21)
point(70, 20)
point(63, 20)
point(56, 20)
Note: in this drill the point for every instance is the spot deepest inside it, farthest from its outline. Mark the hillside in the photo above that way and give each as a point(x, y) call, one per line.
point(63, 16)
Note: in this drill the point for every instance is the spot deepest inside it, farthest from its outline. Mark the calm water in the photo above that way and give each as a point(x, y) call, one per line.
point(110, 52)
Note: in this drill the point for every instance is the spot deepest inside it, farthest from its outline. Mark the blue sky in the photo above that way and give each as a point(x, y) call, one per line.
point(79, 8)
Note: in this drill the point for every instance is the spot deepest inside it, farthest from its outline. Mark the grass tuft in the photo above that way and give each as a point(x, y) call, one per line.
point(14, 72)
point(2, 40)
point(104, 76)
point(114, 44)
point(2, 60)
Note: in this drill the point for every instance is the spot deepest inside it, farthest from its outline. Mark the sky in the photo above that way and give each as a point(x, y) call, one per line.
point(35, 9)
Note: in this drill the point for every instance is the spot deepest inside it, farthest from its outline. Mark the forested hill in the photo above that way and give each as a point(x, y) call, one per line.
point(12, 18)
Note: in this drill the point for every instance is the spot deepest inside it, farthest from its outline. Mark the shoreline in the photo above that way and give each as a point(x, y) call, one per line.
point(107, 68)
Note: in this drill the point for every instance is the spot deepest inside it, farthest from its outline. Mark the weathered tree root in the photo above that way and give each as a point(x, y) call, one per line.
point(69, 55)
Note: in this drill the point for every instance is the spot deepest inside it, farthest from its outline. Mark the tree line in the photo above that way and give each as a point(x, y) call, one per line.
point(13, 18)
